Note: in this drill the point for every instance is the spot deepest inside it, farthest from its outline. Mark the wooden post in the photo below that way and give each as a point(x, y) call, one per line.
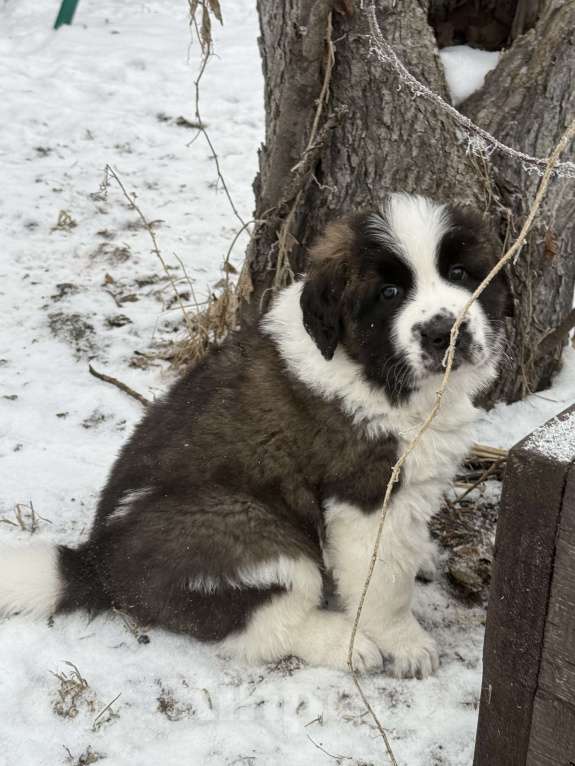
point(527, 709)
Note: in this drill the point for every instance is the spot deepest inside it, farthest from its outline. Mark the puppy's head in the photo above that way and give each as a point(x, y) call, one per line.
point(387, 286)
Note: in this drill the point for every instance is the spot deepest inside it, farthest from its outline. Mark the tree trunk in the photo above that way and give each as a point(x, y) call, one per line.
point(341, 132)
point(526, 102)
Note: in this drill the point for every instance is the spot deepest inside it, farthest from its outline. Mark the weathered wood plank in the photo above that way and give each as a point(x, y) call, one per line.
point(558, 665)
point(552, 738)
point(524, 676)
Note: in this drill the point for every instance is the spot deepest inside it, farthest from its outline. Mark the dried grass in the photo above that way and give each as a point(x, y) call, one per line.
point(73, 691)
point(210, 326)
point(87, 758)
point(26, 518)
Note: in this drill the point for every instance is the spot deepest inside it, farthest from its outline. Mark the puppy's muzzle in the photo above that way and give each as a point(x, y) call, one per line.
point(435, 336)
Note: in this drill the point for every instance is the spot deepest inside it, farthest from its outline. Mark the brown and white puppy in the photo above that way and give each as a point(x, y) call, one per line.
point(268, 462)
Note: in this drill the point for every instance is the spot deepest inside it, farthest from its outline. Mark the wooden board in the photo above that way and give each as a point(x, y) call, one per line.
point(552, 739)
point(527, 709)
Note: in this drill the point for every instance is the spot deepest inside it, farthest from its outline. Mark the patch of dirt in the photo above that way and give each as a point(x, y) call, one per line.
point(150, 279)
point(169, 706)
point(73, 329)
point(43, 151)
point(63, 290)
point(159, 351)
point(466, 530)
point(112, 254)
point(95, 419)
point(286, 667)
point(87, 758)
point(130, 291)
point(105, 234)
point(117, 320)
point(181, 122)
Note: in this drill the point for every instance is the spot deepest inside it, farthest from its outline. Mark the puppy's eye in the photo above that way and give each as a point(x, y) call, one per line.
point(390, 292)
point(457, 273)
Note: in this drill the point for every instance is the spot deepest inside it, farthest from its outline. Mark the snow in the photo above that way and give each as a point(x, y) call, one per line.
point(505, 425)
point(556, 439)
point(465, 69)
point(108, 90)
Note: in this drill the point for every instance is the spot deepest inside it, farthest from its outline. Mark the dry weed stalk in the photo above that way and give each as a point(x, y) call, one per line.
point(511, 253)
point(203, 30)
point(99, 721)
point(148, 226)
point(213, 323)
point(205, 325)
point(27, 518)
point(210, 323)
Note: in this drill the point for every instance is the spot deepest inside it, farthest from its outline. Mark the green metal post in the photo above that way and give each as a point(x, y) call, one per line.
point(66, 12)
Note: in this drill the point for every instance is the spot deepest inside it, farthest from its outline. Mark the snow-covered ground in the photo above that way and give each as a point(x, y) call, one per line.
point(78, 281)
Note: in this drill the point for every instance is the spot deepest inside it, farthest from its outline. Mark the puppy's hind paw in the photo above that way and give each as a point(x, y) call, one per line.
point(410, 650)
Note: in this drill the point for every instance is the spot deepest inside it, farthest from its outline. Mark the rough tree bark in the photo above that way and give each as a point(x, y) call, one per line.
point(341, 132)
point(527, 103)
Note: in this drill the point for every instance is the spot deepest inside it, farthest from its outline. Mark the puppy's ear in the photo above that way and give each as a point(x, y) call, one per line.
point(322, 293)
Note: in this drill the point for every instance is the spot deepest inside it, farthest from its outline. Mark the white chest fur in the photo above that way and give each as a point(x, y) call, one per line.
point(432, 464)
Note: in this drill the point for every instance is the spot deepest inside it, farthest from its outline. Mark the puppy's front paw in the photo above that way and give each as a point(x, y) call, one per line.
point(324, 639)
point(412, 652)
point(366, 655)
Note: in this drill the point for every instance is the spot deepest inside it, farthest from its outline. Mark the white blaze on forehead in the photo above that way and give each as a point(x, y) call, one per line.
point(411, 226)
point(417, 226)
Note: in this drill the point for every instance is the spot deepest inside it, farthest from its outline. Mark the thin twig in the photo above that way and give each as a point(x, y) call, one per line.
point(206, 46)
point(155, 247)
point(108, 706)
point(323, 750)
point(235, 239)
point(118, 383)
point(568, 136)
point(485, 475)
point(116, 301)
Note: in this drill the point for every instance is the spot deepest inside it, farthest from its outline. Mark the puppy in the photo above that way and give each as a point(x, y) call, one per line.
point(268, 462)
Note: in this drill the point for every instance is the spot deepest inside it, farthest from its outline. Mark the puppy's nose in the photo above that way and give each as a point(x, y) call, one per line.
point(436, 333)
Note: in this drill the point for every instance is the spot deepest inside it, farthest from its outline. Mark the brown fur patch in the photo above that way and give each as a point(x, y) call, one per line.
point(335, 243)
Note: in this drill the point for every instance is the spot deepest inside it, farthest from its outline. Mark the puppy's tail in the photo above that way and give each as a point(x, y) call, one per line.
point(42, 579)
